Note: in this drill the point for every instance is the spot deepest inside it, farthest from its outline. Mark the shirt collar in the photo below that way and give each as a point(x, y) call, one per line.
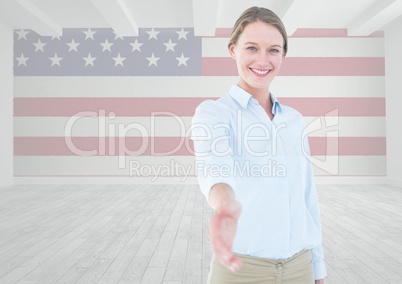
point(243, 98)
point(276, 105)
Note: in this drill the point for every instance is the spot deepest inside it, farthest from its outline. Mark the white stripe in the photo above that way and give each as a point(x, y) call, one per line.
point(333, 87)
point(347, 126)
point(351, 165)
point(174, 126)
point(172, 165)
point(310, 47)
point(191, 87)
point(119, 86)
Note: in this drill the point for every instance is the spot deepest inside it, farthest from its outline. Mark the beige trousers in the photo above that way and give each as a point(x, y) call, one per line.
point(295, 270)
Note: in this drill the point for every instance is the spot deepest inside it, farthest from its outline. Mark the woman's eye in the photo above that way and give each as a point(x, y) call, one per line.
point(275, 50)
point(252, 48)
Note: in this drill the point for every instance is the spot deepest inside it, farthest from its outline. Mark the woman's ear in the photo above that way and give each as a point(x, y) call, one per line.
point(232, 51)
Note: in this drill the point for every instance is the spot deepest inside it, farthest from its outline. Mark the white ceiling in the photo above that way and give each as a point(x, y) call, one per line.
point(48, 17)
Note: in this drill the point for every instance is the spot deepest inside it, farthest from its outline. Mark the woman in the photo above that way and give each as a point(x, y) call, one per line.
point(252, 168)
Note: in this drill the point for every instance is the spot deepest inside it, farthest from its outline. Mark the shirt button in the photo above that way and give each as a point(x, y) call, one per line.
point(279, 266)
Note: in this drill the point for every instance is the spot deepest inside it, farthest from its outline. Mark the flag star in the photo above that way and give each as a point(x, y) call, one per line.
point(22, 34)
point(55, 37)
point(136, 45)
point(73, 45)
point(117, 36)
point(182, 34)
point(182, 60)
point(106, 45)
point(153, 34)
point(170, 45)
point(55, 59)
point(22, 60)
point(89, 60)
point(39, 45)
point(89, 34)
point(119, 60)
point(152, 60)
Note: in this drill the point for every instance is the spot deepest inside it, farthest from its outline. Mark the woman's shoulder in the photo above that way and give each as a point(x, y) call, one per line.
point(291, 111)
point(219, 107)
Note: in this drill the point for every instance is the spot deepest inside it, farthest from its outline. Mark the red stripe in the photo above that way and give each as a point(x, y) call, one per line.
point(331, 33)
point(175, 146)
point(225, 32)
point(348, 146)
point(107, 146)
point(305, 66)
point(337, 106)
point(183, 106)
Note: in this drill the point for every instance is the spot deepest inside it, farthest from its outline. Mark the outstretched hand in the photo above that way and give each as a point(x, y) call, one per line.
point(222, 231)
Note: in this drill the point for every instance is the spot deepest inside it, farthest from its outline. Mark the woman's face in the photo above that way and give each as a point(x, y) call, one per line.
point(258, 54)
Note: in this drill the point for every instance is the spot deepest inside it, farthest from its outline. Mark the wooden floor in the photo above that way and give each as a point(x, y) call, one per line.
point(156, 234)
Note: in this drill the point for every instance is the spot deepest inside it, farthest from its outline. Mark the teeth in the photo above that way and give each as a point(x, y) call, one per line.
point(259, 71)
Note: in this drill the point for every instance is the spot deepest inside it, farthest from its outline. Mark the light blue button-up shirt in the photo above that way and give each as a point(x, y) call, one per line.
point(266, 164)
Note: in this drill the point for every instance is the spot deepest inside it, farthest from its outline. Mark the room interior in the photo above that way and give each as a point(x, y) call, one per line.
point(83, 81)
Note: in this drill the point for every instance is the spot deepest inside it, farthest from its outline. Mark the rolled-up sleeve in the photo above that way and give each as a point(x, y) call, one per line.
point(212, 134)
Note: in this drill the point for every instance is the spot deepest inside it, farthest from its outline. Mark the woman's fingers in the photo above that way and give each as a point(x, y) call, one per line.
point(222, 231)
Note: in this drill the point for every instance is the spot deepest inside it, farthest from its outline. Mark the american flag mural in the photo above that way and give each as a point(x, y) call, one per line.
point(93, 104)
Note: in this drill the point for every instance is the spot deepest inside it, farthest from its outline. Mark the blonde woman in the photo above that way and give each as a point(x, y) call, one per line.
point(252, 168)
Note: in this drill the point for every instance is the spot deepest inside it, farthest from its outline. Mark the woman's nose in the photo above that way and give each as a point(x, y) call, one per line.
point(263, 59)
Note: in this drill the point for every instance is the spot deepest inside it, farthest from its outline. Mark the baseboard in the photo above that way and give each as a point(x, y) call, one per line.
point(181, 180)
point(394, 182)
point(351, 180)
point(104, 180)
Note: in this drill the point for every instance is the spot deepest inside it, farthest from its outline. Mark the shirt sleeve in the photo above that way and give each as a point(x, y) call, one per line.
point(211, 133)
point(320, 271)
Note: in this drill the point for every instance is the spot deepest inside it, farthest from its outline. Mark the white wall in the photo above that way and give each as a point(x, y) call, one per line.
point(6, 106)
point(393, 90)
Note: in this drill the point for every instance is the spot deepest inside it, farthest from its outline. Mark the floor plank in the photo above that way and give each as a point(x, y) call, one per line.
point(157, 234)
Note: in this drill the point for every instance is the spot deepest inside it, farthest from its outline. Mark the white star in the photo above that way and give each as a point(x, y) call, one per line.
point(136, 45)
point(152, 60)
point(153, 34)
point(119, 60)
point(55, 59)
point(22, 60)
point(106, 45)
point(117, 36)
point(22, 34)
point(182, 34)
point(89, 34)
point(89, 60)
point(56, 37)
point(73, 45)
point(170, 45)
point(39, 45)
point(182, 60)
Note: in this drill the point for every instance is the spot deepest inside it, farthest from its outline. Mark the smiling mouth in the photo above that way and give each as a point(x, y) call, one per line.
point(260, 72)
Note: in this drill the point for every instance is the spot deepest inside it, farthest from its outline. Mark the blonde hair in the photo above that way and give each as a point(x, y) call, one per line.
point(254, 14)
